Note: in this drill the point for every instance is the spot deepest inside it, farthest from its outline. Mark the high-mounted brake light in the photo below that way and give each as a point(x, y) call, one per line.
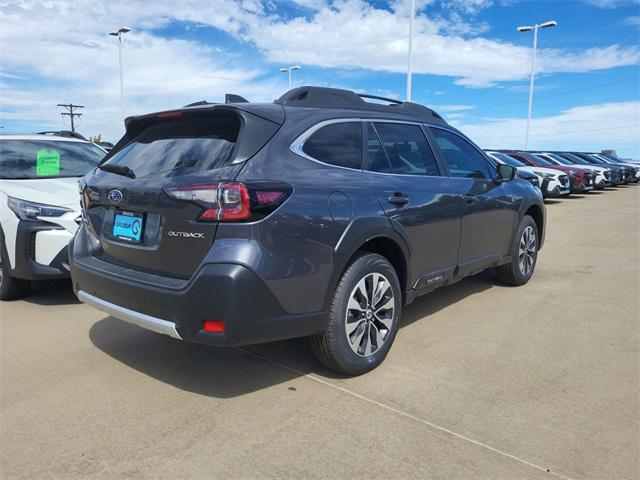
point(232, 201)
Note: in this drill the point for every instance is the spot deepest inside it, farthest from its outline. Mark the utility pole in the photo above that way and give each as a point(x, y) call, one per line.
point(71, 113)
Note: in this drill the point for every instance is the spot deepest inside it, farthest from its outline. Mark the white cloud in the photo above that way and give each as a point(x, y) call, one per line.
point(310, 4)
point(73, 60)
point(451, 108)
point(59, 51)
point(588, 128)
point(633, 21)
point(356, 34)
point(611, 3)
point(468, 6)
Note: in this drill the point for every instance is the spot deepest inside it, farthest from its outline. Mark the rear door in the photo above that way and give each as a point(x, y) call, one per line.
point(136, 221)
point(489, 208)
point(421, 203)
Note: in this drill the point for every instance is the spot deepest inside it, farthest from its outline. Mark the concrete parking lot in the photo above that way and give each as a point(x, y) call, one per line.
point(483, 381)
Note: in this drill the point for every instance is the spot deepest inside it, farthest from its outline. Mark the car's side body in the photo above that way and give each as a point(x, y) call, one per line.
point(274, 278)
point(580, 180)
point(602, 176)
point(632, 170)
point(552, 182)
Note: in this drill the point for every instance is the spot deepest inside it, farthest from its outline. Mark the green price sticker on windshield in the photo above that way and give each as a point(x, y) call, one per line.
point(47, 162)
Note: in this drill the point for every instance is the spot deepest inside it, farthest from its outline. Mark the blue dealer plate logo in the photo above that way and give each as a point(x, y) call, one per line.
point(127, 227)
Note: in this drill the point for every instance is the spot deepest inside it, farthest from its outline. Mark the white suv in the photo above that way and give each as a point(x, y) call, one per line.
point(551, 181)
point(39, 206)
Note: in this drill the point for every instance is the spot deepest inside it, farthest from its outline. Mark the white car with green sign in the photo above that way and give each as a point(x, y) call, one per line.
point(39, 206)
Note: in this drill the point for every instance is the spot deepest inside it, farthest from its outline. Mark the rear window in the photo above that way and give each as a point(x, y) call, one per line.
point(182, 146)
point(31, 159)
point(337, 144)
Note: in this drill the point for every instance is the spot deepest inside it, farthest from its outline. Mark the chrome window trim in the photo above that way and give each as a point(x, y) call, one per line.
point(298, 144)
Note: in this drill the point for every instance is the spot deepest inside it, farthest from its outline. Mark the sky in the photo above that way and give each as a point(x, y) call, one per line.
point(470, 63)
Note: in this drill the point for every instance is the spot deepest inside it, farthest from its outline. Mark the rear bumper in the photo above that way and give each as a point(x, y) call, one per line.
point(224, 292)
point(146, 321)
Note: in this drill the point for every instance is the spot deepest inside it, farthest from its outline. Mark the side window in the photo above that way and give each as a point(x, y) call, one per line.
point(377, 160)
point(461, 157)
point(338, 144)
point(407, 149)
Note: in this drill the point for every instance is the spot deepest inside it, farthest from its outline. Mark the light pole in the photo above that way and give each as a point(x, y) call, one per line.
point(410, 62)
point(289, 70)
point(118, 33)
point(527, 28)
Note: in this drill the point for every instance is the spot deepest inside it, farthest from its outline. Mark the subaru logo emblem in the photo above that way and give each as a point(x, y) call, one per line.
point(115, 196)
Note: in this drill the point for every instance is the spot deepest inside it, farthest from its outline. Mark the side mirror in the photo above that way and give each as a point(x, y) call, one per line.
point(506, 173)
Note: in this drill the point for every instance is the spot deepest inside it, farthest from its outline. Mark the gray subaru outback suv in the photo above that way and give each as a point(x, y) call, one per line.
point(321, 214)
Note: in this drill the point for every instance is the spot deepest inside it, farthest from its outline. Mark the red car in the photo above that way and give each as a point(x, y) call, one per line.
point(581, 180)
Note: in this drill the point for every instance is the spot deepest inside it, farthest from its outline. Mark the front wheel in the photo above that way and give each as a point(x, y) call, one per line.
point(525, 254)
point(363, 319)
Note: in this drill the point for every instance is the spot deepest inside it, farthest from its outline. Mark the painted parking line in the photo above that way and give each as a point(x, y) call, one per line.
point(317, 379)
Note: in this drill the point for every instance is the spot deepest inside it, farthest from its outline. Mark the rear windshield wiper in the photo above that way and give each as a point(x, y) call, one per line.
point(117, 169)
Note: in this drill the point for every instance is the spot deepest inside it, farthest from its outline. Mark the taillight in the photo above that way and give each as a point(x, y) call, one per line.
point(232, 201)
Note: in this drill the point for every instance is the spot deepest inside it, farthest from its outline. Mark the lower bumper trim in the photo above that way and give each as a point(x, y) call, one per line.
point(142, 320)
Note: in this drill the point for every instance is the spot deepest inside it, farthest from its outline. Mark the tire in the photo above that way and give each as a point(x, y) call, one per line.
point(525, 254)
point(358, 335)
point(10, 287)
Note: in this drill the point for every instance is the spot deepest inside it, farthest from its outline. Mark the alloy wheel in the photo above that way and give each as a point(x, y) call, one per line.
point(527, 251)
point(369, 315)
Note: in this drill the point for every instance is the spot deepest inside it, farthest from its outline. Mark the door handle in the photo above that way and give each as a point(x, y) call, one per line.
point(398, 198)
point(470, 199)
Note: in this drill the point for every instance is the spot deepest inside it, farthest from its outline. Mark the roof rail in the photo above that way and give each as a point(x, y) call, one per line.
point(375, 97)
point(309, 96)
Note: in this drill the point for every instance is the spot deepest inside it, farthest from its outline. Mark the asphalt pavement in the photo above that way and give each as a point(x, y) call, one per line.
point(483, 381)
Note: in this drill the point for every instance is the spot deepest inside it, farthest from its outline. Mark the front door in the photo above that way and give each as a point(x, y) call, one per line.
point(421, 203)
point(489, 208)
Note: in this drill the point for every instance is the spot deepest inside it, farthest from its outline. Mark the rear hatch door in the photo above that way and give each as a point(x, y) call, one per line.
point(127, 207)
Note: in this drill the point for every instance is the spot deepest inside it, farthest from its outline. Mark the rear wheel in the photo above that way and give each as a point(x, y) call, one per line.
point(525, 254)
point(10, 287)
point(363, 319)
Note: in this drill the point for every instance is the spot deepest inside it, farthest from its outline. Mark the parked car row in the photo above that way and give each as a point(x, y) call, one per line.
point(563, 173)
point(321, 214)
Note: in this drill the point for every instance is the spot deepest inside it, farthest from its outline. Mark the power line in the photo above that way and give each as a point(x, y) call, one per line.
point(70, 112)
point(562, 132)
point(557, 94)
